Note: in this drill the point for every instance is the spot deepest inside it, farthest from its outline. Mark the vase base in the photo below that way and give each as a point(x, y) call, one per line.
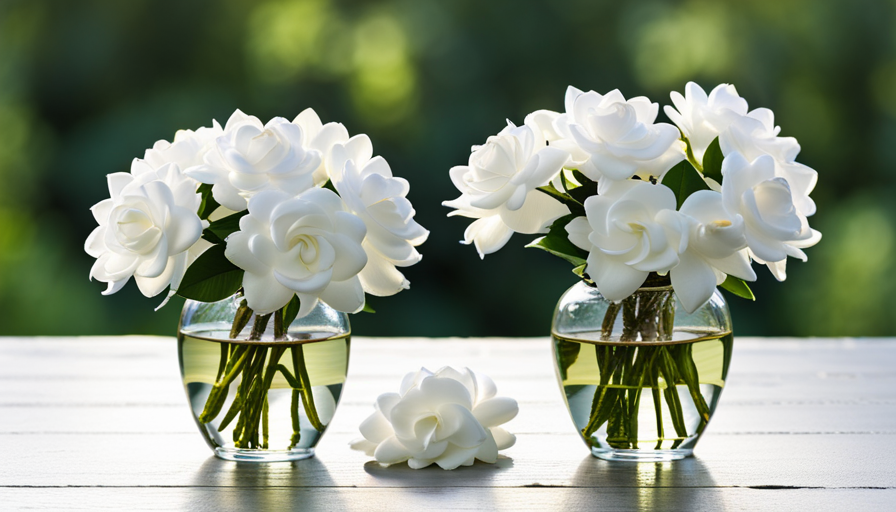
point(640, 455)
point(238, 455)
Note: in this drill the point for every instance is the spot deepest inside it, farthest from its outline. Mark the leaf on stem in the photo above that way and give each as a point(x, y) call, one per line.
point(587, 188)
point(290, 311)
point(684, 180)
point(738, 287)
point(212, 277)
point(712, 161)
point(221, 228)
point(208, 204)
point(557, 242)
point(574, 206)
point(367, 308)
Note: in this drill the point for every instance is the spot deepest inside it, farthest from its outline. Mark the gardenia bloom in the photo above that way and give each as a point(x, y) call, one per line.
point(626, 237)
point(498, 187)
point(702, 118)
point(145, 229)
point(307, 245)
point(710, 247)
point(187, 150)
point(321, 137)
point(755, 135)
point(773, 227)
point(448, 418)
point(367, 187)
point(610, 136)
point(250, 158)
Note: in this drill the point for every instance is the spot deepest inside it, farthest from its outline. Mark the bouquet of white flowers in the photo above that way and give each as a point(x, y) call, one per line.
point(631, 202)
point(284, 215)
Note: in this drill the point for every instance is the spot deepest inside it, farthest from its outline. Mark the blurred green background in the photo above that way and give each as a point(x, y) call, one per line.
point(85, 86)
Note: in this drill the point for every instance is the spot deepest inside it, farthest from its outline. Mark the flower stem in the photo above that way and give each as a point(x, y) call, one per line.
point(298, 362)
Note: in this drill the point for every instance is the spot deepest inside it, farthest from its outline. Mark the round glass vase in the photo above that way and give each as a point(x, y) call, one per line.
point(258, 390)
point(641, 377)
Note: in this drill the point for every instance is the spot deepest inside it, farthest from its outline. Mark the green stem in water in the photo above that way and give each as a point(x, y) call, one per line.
point(298, 362)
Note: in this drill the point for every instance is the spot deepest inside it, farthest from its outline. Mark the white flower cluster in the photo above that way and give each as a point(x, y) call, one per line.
point(449, 418)
point(699, 228)
point(295, 236)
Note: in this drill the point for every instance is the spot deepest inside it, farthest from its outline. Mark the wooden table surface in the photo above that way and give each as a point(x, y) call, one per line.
point(103, 424)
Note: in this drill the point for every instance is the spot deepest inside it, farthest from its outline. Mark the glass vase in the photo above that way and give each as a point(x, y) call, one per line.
point(641, 377)
point(258, 390)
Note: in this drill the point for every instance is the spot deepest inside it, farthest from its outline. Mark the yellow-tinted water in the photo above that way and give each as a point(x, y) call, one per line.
point(642, 395)
point(204, 361)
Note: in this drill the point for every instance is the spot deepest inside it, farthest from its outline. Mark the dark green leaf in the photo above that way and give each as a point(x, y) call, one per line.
point(211, 237)
point(224, 227)
point(738, 287)
point(367, 308)
point(712, 161)
point(586, 190)
point(208, 204)
point(684, 180)
point(329, 185)
point(212, 277)
point(290, 311)
point(557, 242)
point(574, 206)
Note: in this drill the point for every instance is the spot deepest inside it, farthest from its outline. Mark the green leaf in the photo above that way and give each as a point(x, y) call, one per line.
point(329, 185)
point(221, 228)
point(574, 206)
point(208, 204)
point(684, 180)
point(557, 242)
point(290, 311)
point(738, 287)
point(211, 237)
point(712, 161)
point(586, 190)
point(212, 277)
point(367, 308)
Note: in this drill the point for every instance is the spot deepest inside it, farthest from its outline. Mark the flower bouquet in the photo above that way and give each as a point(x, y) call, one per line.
point(261, 226)
point(653, 218)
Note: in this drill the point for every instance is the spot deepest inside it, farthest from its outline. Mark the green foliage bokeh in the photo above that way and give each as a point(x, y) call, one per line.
point(85, 86)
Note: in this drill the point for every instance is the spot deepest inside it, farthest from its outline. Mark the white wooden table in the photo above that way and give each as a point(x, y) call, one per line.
point(102, 424)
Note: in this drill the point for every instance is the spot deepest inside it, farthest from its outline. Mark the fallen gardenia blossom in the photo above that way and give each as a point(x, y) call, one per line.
point(449, 418)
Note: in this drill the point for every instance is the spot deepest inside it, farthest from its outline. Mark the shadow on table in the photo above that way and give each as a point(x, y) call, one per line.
point(225, 485)
point(681, 484)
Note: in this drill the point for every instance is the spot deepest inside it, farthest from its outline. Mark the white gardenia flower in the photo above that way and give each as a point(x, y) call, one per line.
point(449, 418)
point(626, 237)
point(145, 229)
point(609, 136)
point(187, 150)
point(307, 245)
point(754, 135)
point(321, 137)
point(711, 246)
point(250, 158)
point(369, 190)
point(773, 227)
point(498, 187)
point(702, 118)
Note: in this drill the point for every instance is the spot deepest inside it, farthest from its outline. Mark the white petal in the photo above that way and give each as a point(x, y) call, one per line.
point(347, 296)
point(537, 213)
point(380, 277)
point(454, 456)
point(264, 294)
point(391, 451)
point(503, 438)
point(693, 281)
point(496, 411)
point(488, 234)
